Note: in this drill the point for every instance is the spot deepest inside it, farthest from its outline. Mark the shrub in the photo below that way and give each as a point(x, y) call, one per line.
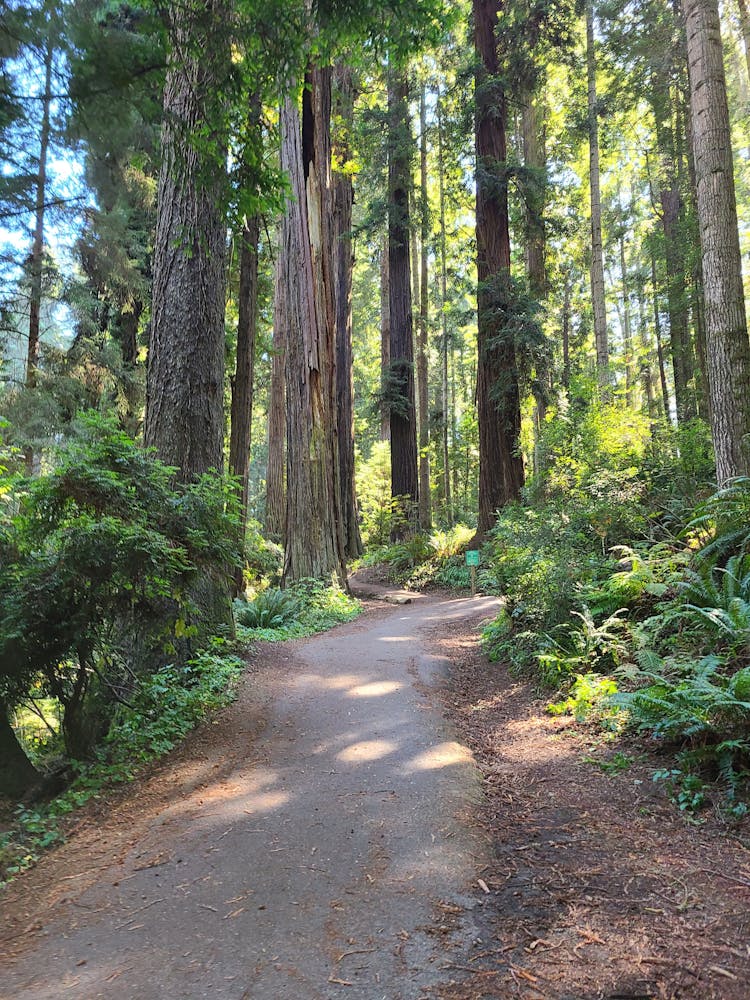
point(97, 570)
point(271, 609)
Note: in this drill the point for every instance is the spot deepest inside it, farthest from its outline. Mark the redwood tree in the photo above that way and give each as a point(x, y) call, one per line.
point(727, 345)
point(400, 390)
point(498, 399)
point(314, 540)
point(185, 377)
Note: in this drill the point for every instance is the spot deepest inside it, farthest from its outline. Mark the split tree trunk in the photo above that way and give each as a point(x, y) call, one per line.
point(314, 541)
point(727, 345)
point(498, 400)
point(404, 486)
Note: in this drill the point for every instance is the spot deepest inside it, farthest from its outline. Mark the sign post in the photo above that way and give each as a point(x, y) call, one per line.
point(472, 560)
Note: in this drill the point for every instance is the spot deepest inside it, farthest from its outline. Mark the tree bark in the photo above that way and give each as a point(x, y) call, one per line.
point(627, 327)
point(659, 345)
point(727, 344)
point(242, 383)
point(185, 376)
point(745, 29)
point(404, 485)
point(37, 246)
point(314, 541)
point(343, 200)
point(425, 505)
point(444, 344)
point(501, 473)
point(385, 340)
point(275, 492)
point(17, 774)
point(597, 255)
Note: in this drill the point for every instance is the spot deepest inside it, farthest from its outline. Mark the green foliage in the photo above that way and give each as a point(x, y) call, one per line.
point(263, 559)
point(167, 705)
point(590, 698)
point(96, 570)
point(304, 608)
point(271, 609)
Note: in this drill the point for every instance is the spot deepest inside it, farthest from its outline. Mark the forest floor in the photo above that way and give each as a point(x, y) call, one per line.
point(598, 886)
point(383, 815)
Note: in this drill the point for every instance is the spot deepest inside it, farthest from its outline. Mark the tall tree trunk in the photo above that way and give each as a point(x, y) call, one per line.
point(444, 344)
point(185, 377)
point(536, 275)
point(404, 485)
point(343, 200)
point(727, 344)
point(37, 246)
point(314, 540)
point(626, 326)
point(567, 293)
point(17, 774)
point(425, 506)
point(745, 29)
point(597, 255)
point(659, 345)
point(275, 476)
point(242, 383)
point(534, 198)
point(498, 401)
point(385, 340)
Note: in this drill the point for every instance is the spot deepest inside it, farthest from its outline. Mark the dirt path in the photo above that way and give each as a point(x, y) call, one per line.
point(599, 888)
point(315, 849)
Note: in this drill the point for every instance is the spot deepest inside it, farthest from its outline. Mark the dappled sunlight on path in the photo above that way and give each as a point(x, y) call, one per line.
point(313, 866)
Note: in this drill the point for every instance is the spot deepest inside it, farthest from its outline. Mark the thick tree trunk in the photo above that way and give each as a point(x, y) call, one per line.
point(500, 466)
point(404, 486)
point(314, 540)
point(275, 475)
point(17, 774)
point(242, 383)
point(343, 200)
point(597, 255)
point(425, 506)
point(185, 378)
point(444, 344)
point(385, 340)
point(727, 345)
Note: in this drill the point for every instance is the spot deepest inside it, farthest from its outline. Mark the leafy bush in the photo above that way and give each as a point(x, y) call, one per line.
point(264, 560)
point(166, 706)
point(318, 606)
point(271, 609)
point(97, 572)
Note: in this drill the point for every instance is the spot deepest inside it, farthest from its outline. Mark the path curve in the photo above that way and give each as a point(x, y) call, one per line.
point(332, 859)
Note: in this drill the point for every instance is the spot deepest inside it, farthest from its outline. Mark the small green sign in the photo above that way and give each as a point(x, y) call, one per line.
point(472, 557)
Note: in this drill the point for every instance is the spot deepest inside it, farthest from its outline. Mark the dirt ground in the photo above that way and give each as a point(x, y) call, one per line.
point(599, 887)
point(312, 842)
point(543, 875)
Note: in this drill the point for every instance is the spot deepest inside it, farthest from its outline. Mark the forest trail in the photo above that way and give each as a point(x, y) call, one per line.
point(322, 850)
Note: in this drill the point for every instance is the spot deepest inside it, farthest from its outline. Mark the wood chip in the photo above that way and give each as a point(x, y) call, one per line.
point(483, 885)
